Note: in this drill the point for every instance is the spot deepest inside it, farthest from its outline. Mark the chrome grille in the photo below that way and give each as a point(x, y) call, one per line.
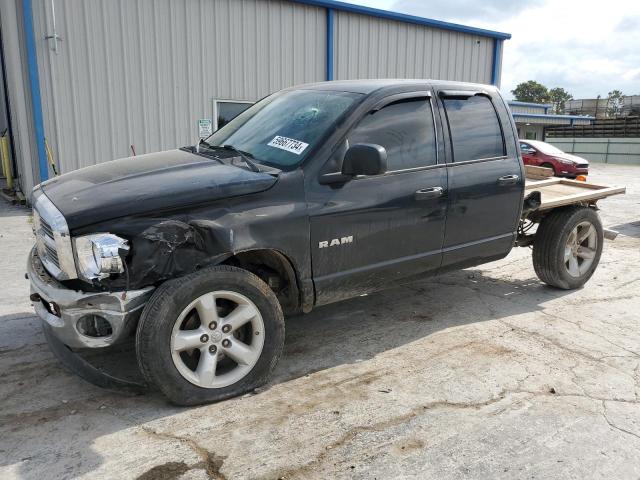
point(53, 241)
point(46, 228)
point(48, 249)
point(52, 255)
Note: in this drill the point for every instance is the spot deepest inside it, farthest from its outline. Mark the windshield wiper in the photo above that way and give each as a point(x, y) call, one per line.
point(196, 149)
point(244, 155)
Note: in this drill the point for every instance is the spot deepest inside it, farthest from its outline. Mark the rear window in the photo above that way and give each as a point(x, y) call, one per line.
point(475, 129)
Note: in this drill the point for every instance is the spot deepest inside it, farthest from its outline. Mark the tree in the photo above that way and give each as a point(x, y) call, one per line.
point(531, 91)
point(615, 101)
point(557, 96)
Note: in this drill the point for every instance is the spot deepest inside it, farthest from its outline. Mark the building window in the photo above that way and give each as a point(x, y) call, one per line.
point(475, 129)
point(405, 129)
point(226, 110)
point(530, 135)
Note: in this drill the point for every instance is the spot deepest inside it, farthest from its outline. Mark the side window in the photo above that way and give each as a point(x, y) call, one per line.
point(475, 129)
point(405, 129)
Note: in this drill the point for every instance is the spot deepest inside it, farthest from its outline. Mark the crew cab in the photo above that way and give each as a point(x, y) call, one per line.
point(315, 194)
point(542, 154)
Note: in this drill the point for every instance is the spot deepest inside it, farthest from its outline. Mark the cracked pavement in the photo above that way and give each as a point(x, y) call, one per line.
point(482, 373)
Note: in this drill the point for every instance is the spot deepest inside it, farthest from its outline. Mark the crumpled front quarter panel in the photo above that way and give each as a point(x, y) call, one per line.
point(178, 242)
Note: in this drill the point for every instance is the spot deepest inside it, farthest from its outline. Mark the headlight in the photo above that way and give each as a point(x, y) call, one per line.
point(564, 160)
point(99, 255)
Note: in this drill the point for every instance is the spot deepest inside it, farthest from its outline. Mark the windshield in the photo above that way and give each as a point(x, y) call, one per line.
point(283, 128)
point(546, 148)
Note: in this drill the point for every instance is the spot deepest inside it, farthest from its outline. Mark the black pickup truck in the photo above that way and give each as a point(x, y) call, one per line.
point(315, 194)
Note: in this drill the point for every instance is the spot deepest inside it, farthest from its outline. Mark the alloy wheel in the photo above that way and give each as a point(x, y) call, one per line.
point(580, 249)
point(217, 339)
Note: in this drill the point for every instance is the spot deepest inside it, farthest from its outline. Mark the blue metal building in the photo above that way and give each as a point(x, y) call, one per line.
point(95, 80)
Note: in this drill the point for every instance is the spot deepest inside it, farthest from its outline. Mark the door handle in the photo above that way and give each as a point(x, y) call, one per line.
point(426, 193)
point(508, 179)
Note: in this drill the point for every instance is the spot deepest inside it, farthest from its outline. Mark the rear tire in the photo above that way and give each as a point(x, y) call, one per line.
point(211, 335)
point(567, 247)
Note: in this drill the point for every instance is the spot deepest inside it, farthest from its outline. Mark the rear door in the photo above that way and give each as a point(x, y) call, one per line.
point(485, 178)
point(373, 230)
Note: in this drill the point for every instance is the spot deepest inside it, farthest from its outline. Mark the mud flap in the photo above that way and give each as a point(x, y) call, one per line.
point(76, 364)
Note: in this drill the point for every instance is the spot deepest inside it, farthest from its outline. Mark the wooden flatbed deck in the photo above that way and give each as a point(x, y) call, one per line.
point(558, 192)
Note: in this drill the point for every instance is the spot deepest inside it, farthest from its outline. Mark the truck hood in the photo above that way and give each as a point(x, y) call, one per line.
point(148, 183)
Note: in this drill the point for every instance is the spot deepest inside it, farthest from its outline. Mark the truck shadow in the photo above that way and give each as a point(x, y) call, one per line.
point(630, 229)
point(358, 329)
point(57, 415)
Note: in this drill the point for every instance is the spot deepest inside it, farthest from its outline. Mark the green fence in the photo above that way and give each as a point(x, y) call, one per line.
point(607, 150)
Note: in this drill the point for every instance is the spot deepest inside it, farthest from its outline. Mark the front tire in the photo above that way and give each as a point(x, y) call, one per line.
point(567, 247)
point(211, 335)
point(549, 165)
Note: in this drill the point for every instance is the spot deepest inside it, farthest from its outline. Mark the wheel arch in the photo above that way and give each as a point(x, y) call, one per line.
point(548, 164)
point(277, 270)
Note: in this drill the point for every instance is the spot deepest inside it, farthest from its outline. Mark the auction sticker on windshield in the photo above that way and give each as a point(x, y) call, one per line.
point(288, 144)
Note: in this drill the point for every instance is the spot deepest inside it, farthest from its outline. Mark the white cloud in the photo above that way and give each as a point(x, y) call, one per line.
point(588, 47)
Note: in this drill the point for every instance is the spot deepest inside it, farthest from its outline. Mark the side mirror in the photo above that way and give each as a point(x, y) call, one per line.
point(365, 159)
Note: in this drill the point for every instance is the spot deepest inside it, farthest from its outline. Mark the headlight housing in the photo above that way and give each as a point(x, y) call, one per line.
point(564, 160)
point(99, 255)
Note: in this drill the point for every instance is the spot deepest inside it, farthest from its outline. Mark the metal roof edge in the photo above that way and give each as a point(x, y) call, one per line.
point(529, 104)
point(403, 17)
point(543, 115)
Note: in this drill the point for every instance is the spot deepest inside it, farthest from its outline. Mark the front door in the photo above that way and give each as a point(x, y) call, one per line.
point(529, 156)
point(374, 230)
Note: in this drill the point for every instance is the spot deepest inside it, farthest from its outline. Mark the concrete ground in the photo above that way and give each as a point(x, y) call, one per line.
point(483, 373)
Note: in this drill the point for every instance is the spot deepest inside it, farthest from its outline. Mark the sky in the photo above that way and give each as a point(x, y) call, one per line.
point(587, 47)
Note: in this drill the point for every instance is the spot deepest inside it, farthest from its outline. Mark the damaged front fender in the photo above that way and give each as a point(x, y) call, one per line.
point(175, 243)
point(172, 248)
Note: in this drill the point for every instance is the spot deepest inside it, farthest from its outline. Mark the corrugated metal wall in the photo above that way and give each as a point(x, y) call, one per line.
point(370, 47)
point(526, 109)
point(142, 72)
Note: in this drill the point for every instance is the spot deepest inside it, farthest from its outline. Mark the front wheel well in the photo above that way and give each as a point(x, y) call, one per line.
point(549, 165)
point(276, 270)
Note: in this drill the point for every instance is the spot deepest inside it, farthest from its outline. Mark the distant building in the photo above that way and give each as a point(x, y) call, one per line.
point(600, 108)
point(532, 119)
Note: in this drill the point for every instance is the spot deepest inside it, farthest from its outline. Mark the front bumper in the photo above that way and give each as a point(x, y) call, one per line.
point(572, 170)
point(61, 308)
